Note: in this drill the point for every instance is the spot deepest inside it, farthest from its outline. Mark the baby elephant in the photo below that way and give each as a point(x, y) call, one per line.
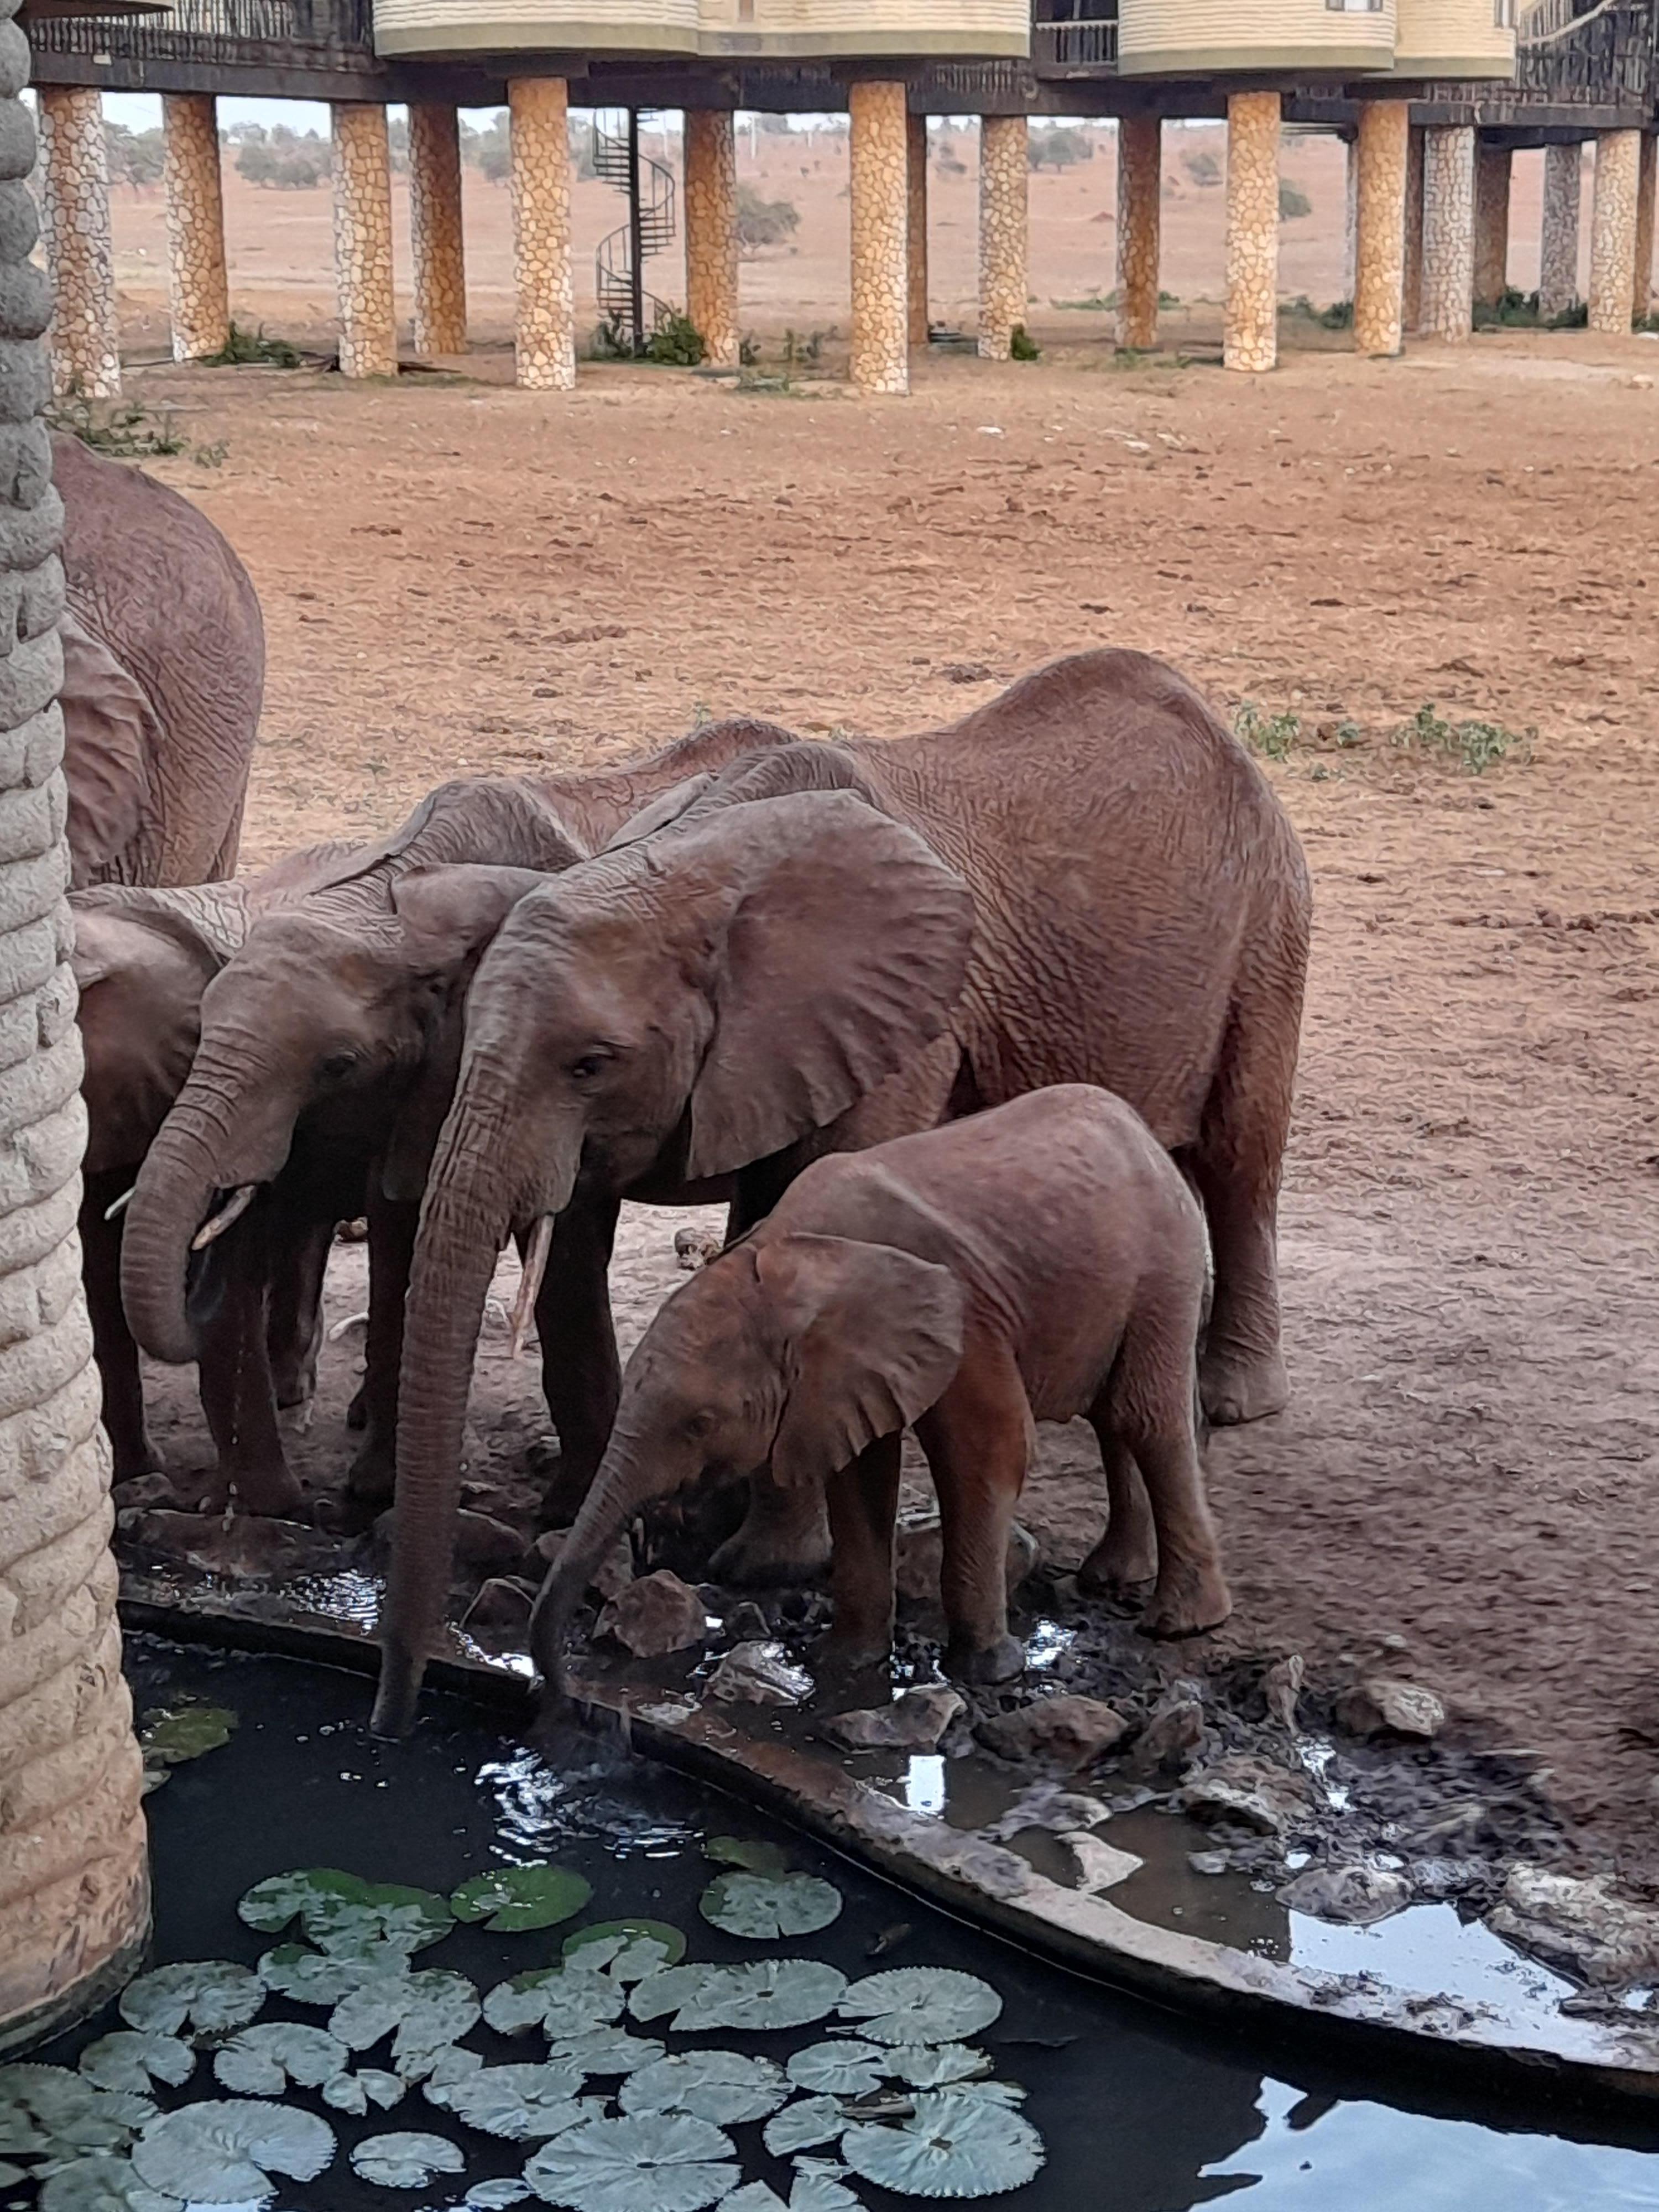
point(1041, 1260)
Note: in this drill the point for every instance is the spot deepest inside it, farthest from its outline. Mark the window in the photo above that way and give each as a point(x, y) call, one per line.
point(1369, 7)
point(1502, 13)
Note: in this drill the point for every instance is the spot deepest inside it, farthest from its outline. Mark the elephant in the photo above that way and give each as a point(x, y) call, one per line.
point(1037, 1261)
point(143, 957)
point(164, 661)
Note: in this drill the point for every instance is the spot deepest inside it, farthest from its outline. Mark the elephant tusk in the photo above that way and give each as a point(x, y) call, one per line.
point(530, 1283)
point(344, 1328)
point(232, 1211)
point(121, 1204)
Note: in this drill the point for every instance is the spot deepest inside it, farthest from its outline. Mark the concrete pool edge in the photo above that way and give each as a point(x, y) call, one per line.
point(998, 1890)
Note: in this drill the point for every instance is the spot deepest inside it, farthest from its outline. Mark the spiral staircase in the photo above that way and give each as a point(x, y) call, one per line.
point(625, 307)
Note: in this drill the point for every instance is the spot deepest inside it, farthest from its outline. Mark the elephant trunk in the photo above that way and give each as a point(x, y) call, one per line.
point(636, 1469)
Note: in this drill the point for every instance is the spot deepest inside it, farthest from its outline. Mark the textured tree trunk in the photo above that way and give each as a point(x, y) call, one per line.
point(74, 1877)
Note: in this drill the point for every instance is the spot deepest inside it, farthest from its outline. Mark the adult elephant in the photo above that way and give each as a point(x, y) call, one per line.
point(1141, 922)
point(164, 662)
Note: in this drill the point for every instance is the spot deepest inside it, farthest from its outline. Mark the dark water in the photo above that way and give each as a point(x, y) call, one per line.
point(1139, 2112)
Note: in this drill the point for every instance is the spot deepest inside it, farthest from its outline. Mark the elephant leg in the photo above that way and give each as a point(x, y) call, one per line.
point(113, 1346)
point(1124, 1560)
point(978, 1443)
point(862, 1498)
point(293, 1326)
point(391, 1226)
point(784, 1538)
point(234, 1373)
point(1150, 1409)
point(581, 1375)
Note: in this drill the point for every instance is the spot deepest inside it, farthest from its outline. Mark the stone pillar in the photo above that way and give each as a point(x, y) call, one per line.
point(880, 354)
point(1447, 232)
point(1383, 148)
point(1139, 219)
point(1004, 171)
point(1612, 230)
point(362, 240)
point(916, 170)
point(1251, 341)
point(435, 229)
point(546, 331)
point(198, 289)
point(86, 355)
point(711, 231)
point(74, 1879)
point(1493, 169)
point(1411, 289)
point(1647, 175)
point(1558, 258)
point(1351, 218)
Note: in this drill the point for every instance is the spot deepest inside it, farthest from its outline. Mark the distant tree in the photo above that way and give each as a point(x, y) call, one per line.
point(489, 150)
point(396, 132)
point(1059, 147)
point(1202, 167)
point(1293, 203)
point(135, 157)
point(763, 221)
point(282, 159)
point(781, 126)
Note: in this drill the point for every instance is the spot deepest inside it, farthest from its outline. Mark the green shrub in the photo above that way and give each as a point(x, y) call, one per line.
point(1293, 203)
point(244, 346)
point(1022, 346)
point(676, 342)
point(127, 431)
point(763, 222)
point(1473, 746)
point(1270, 735)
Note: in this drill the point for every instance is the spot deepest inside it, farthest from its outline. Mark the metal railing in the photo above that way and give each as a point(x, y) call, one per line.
point(264, 33)
point(1074, 34)
point(1603, 57)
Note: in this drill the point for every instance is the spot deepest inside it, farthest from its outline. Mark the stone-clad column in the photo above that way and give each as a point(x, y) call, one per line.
point(1494, 168)
point(198, 287)
point(1382, 151)
point(880, 353)
point(1647, 175)
point(1411, 287)
point(86, 355)
point(1139, 197)
point(915, 155)
point(1447, 232)
point(362, 240)
point(1612, 230)
point(1251, 341)
point(1351, 217)
point(435, 229)
point(74, 1880)
point(1558, 260)
point(711, 231)
point(1004, 170)
point(546, 331)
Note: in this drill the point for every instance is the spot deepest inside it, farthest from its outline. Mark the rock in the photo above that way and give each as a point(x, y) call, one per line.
point(352, 1232)
point(919, 1549)
point(1281, 1685)
point(696, 1248)
point(758, 1674)
point(1047, 1806)
point(1436, 1881)
point(748, 1624)
point(1246, 1793)
point(1355, 1895)
point(139, 1493)
point(913, 1721)
point(481, 1540)
point(1383, 1704)
point(247, 1546)
point(1073, 1730)
point(1578, 1926)
point(655, 1615)
point(611, 1576)
point(502, 1608)
point(1209, 1861)
point(1174, 1736)
point(1099, 1866)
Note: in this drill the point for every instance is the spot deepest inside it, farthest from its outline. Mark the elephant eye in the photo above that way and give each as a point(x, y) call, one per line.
point(587, 1066)
point(338, 1064)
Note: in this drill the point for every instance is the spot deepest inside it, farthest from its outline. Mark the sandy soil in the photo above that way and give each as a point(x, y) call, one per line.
point(466, 577)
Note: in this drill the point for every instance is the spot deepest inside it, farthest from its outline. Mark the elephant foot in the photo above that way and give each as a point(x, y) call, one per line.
point(294, 1386)
point(773, 1549)
point(1125, 1570)
point(373, 1475)
point(357, 1410)
point(129, 1461)
point(566, 1480)
point(837, 1659)
point(267, 1492)
point(1188, 1600)
point(1001, 1661)
point(1237, 1386)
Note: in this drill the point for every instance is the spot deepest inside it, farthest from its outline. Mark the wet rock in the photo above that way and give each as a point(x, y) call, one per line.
point(1209, 1861)
point(1047, 1806)
point(247, 1547)
point(1578, 1926)
point(1281, 1685)
point(1436, 1881)
point(1246, 1793)
point(919, 1551)
point(916, 1720)
point(655, 1615)
point(759, 1674)
point(748, 1624)
point(1174, 1736)
point(1072, 1730)
point(501, 1609)
point(1099, 1866)
point(696, 1248)
point(1354, 1895)
point(481, 1540)
point(608, 1579)
point(141, 1492)
point(1383, 1704)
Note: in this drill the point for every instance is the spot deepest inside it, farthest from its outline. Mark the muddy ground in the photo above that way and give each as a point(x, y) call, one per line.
point(464, 577)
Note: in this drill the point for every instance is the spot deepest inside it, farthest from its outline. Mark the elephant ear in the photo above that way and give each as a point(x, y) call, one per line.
point(839, 944)
point(111, 734)
point(208, 922)
point(448, 916)
point(486, 819)
point(797, 766)
point(666, 809)
point(874, 1336)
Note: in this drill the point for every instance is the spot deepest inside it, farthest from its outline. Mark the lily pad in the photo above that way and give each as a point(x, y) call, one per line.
point(355, 2092)
point(346, 1915)
point(631, 1932)
point(130, 2060)
point(845, 2068)
point(666, 2160)
point(524, 2103)
point(225, 2151)
point(773, 1993)
point(764, 1907)
point(954, 2145)
point(405, 2161)
point(496, 2195)
point(606, 2051)
point(821, 2192)
point(214, 1995)
point(722, 2086)
point(935, 2066)
point(805, 2124)
point(100, 2184)
point(554, 1998)
point(319, 1978)
point(921, 2004)
point(47, 2111)
point(169, 1734)
point(515, 1899)
point(748, 1852)
point(428, 2011)
point(262, 2061)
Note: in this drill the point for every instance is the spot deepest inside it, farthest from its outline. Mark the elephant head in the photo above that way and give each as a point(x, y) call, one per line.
point(334, 1013)
point(799, 1349)
point(667, 1014)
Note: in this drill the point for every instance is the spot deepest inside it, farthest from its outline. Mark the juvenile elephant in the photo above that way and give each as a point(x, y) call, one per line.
point(1038, 1262)
point(164, 663)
